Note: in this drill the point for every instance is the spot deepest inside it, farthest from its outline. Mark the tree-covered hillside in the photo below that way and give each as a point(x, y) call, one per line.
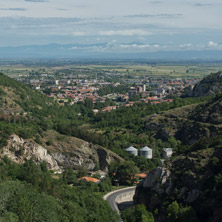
point(29, 114)
point(29, 193)
point(210, 85)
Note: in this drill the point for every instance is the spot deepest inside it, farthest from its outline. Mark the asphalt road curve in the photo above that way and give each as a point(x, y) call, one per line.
point(111, 197)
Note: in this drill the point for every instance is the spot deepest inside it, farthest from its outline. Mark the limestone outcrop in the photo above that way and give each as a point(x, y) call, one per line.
point(70, 152)
point(20, 150)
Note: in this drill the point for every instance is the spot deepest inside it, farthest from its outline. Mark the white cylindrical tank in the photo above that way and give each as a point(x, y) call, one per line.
point(146, 152)
point(132, 150)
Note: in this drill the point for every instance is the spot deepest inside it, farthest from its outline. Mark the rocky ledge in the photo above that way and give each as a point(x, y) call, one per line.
point(62, 155)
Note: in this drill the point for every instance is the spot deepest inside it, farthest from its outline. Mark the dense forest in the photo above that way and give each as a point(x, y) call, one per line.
point(29, 193)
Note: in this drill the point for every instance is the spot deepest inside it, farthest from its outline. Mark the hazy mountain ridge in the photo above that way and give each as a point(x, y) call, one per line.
point(102, 51)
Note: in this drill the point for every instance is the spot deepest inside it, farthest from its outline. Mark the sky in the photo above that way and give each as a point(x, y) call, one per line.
point(117, 25)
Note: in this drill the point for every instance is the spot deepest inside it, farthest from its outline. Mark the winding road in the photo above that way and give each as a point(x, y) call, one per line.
point(112, 196)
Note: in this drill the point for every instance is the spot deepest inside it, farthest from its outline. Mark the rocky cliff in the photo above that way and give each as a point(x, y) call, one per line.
point(193, 180)
point(209, 86)
point(20, 150)
point(62, 152)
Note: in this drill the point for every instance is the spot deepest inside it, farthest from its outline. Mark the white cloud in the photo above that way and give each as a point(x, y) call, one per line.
point(74, 47)
point(126, 32)
point(149, 25)
point(156, 46)
point(212, 44)
point(134, 46)
point(187, 45)
point(79, 33)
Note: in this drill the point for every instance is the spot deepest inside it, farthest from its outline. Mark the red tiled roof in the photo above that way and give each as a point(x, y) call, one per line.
point(155, 102)
point(89, 179)
point(141, 175)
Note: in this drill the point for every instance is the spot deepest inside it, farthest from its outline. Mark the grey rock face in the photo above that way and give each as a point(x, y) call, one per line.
point(158, 180)
point(209, 86)
point(20, 150)
point(85, 154)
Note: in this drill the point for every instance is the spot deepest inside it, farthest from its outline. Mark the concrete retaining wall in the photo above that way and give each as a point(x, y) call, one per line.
point(128, 196)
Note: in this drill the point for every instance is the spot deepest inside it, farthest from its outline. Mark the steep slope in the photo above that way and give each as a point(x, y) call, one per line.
point(193, 180)
point(188, 187)
point(189, 123)
point(20, 150)
point(209, 112)
point(59, 152)
point(203, 121)
point(16, 97)
point(28, 120)
point(72, 152)
point(210, 85)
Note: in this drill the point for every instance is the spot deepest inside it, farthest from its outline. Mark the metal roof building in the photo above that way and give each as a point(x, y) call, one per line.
point(167, 153)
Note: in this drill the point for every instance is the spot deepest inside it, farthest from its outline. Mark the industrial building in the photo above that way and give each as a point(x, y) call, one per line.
point(167, 153)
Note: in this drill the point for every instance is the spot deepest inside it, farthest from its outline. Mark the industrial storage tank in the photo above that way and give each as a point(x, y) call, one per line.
point(132, 150)
point(146, 152)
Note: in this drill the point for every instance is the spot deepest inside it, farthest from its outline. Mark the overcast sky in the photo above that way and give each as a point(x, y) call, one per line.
point(123, 25)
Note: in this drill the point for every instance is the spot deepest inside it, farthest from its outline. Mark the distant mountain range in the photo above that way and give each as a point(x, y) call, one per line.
point(96, 51)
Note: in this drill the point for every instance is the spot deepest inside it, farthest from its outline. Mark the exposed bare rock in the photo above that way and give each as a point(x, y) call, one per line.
point(189, 180)
point(89, 156)
point(210, 85)
point(73, 152)
point(62, 153)
point(157, 179)
point(193, 195)
point(20, 150)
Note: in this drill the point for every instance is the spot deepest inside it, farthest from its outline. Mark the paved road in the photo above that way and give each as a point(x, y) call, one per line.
point(111, 197)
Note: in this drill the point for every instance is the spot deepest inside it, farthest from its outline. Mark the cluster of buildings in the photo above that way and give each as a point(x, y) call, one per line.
point(78, 91)
point(75, 86)
point(135, 90)
point(147, 152)
point(88, 179)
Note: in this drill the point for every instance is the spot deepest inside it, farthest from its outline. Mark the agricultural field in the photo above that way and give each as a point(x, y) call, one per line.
point(122, 71)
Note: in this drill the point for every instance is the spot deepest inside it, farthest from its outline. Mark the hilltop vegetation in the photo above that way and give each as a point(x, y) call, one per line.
point(28, 113)
point(188, 124)
point(28, 191)
point(210, 85)
point(209, 112)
